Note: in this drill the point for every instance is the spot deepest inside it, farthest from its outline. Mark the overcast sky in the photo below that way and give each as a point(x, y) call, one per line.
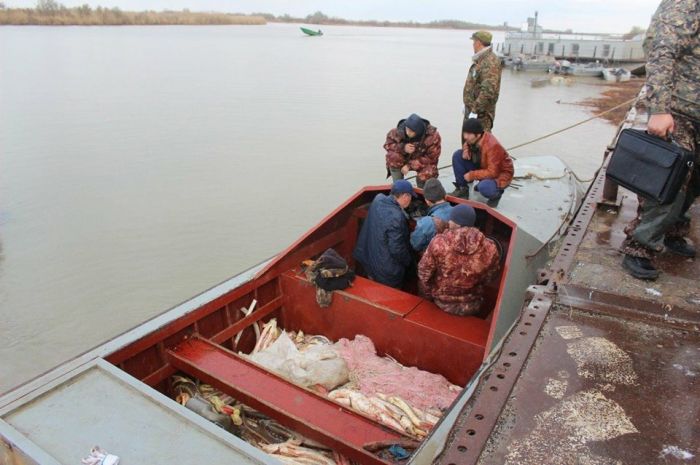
point(579, 15)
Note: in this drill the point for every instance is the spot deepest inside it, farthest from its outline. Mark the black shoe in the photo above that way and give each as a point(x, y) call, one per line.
point(679, 246)
point(460, 191)
point(493, 202)
point(640, 268)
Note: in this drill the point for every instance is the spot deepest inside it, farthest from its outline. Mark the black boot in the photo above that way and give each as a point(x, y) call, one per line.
point(493, 201)
point(460, 191)
point(640, 268)
point(679, 246)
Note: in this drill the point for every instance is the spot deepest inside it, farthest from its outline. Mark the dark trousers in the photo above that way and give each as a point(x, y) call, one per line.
point(487, 187)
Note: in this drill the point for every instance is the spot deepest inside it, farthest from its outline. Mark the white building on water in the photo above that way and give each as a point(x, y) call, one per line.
point(531, 41)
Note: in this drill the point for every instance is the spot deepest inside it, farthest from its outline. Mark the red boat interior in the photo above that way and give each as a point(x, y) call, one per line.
point(403, 325)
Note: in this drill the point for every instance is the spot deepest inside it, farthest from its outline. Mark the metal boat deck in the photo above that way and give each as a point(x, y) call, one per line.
point(602, 368)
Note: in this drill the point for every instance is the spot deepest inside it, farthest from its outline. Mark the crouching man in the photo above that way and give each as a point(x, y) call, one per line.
point(482, 158)
point(413, 145)
point(458, 264)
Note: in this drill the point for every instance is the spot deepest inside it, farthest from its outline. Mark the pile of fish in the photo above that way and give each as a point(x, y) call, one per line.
point(390, 411)
point(349, 373)
point(376, 386)
point(252, 426)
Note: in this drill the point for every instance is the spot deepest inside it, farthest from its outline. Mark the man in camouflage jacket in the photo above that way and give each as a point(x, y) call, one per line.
point(413, 145)
point(458, 264)
point(483, 81)
point(673, 99)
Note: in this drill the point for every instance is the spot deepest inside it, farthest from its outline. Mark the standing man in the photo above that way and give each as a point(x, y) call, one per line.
point(482, 158)
point(436, 219)
point(673, 99)
point(413, 145)
point(483, 82)
point(383, 247)
point(458, 264)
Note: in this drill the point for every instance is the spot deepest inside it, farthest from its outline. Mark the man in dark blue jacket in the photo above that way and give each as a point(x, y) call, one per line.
point(383, 248)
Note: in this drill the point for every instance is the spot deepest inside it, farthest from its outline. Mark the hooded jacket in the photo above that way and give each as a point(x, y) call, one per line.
point(383, 244)
point(424, 159)
point(495, 163)
point(455, 268)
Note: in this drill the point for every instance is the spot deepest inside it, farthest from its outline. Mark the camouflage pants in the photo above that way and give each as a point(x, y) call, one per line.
point(645, 233)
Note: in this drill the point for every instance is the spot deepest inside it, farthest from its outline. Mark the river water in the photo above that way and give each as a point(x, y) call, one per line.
point(142, 165)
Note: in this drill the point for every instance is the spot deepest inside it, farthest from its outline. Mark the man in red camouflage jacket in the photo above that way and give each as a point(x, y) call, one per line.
point(413, 145)
point(458, 264)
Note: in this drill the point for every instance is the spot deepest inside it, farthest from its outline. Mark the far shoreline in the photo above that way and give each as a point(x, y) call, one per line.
point(51, 13)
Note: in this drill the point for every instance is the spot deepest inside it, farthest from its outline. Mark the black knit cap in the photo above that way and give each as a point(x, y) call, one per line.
point(416, 124)
point(463, 215)
point(472, 126)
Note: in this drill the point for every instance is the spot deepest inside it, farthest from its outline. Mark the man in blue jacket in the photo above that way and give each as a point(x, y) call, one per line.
point(437, 218)
point(383, 247)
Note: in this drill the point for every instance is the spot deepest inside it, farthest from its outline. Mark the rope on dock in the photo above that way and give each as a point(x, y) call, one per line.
point(573, 125)
point(559, 131)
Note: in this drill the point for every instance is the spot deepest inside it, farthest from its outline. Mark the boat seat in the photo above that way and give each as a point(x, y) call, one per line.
point(390, 299)
point(470, 329)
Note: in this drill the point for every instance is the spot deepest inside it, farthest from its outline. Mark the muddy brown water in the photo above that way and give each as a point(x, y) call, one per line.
point(142, 165)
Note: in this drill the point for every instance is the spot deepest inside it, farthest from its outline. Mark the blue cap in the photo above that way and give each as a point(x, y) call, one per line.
point(416, 124)
point(463, 215)
point(402, 187)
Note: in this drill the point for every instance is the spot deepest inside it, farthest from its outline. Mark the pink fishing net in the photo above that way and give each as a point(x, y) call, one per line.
point(373, 374)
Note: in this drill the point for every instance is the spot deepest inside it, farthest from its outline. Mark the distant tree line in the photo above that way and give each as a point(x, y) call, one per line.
point(50, 12)
point(320, 18)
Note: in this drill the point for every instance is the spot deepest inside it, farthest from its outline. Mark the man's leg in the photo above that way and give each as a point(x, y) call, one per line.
point(486, 122)
point(396, 174)
point(422, 176)
point(687, 134)
point(460, 167)
point(489, 189)
point(645, 234)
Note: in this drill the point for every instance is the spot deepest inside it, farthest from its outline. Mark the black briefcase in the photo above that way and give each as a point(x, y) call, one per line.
point(648, 165)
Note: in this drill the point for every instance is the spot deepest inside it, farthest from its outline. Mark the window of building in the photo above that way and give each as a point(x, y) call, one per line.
point(540, 47)
point(606, 50)
point(550, 48)
point(574, 49)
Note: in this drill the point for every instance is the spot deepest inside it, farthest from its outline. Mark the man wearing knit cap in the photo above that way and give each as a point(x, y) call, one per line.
point(413, 145)
point(383, 248)
point(436, 219)
point(483, 82)
point(458, 264)
point(482, 158)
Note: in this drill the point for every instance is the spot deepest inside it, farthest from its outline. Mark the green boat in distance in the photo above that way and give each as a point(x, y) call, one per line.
point(311, 32)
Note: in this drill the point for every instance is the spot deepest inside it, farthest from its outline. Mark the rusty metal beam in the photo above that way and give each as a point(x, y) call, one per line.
point(479, 417)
